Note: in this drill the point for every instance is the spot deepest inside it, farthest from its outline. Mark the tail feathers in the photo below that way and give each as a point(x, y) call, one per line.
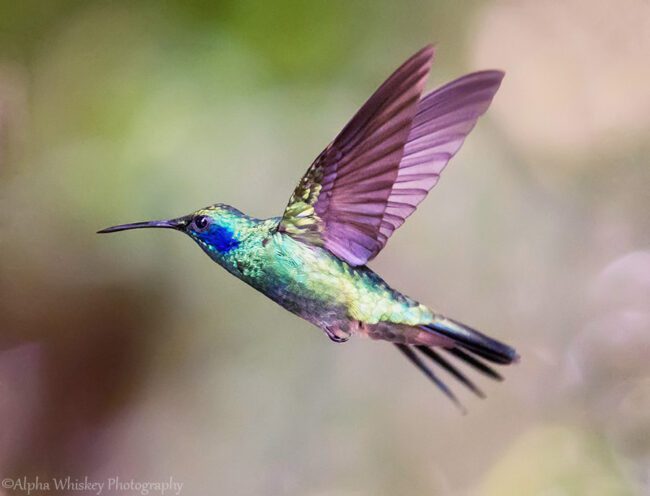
point(440, 360)
point(475, 363)
point(417, 361)
point(471, 340)
point(470, 346)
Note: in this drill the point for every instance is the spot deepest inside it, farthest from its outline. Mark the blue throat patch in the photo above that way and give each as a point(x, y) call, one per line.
point(221, 238)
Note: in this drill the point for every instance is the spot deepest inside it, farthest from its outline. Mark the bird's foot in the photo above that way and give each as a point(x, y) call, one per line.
point(337, 334)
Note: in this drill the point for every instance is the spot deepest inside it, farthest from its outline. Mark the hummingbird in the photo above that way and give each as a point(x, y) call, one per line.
point(313, 259)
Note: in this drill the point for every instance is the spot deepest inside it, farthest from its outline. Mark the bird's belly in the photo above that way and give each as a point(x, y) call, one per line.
point(319, 302)
point(312, 295)
point(305, 280)
point(315, 285)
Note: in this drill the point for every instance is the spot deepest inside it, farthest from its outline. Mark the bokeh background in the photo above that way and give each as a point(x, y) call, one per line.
point(134, 356)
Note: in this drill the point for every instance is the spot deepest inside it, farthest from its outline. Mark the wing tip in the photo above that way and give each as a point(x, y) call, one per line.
point(429, 49)
point(423, 58)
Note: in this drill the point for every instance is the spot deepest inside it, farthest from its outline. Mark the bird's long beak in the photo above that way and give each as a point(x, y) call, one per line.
point(177, 224)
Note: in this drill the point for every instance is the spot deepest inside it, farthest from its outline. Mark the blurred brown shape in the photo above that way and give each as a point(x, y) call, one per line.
point(90, 349)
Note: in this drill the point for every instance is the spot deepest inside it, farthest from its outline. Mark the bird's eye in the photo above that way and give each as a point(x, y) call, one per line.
point(201, 223)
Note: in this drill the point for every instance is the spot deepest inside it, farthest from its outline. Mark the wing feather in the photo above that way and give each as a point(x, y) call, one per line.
point(385, 160)
point(443, 119)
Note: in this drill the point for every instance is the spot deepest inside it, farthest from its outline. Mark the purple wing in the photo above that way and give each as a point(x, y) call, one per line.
point(443, 119)
point(372, 176)
point(340, 201)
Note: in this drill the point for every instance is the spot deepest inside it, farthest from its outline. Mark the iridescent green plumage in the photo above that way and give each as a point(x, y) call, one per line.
point(358, 191)
point(305, 279)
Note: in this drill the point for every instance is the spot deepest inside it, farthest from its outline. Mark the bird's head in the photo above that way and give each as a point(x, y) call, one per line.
point(217, 229)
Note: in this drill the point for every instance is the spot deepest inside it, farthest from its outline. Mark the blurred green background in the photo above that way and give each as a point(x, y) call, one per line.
point(135, 356)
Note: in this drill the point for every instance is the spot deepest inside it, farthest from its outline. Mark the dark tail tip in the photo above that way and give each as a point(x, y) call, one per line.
point(415, 360)
point(474, 341)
